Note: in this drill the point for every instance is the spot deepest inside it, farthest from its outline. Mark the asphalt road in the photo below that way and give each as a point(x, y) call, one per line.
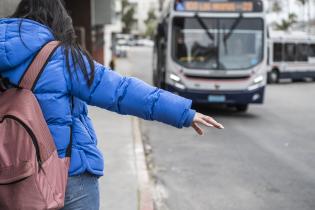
point(263, 160)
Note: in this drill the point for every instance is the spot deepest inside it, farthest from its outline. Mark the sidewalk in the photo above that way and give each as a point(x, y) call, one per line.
point(125, 185)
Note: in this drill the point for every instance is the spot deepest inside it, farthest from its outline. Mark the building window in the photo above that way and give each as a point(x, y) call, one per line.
point(312, 50)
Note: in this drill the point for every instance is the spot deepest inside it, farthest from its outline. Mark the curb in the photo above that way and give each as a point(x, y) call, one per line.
point(145, 198)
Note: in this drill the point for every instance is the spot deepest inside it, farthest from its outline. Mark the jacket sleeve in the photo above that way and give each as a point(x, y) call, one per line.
point(130, 96)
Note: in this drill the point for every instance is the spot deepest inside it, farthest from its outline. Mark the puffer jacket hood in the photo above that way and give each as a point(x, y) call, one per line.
point(20, 42)
point(56, 87)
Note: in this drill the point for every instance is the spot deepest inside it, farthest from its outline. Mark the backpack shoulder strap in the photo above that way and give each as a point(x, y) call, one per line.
point(32, 74)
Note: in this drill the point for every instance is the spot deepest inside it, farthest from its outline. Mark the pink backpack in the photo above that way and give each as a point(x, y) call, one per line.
point(32, 176)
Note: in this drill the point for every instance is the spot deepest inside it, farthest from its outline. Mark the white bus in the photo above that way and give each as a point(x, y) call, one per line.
point(213, 51)
point(291, 56)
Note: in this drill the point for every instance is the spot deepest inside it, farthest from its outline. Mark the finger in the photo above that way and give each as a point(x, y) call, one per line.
point(213, 122)
point(204, 122)
point(197, 129)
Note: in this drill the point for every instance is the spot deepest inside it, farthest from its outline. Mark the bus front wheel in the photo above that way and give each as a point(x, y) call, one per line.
point(273, 76)
point(241, 107)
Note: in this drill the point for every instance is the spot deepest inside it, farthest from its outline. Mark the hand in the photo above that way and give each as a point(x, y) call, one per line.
point(201, 119)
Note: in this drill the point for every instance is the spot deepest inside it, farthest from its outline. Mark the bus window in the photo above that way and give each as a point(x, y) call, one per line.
point(204, 44)
point(277, 52)
point(301, 52)
point(289, 52)
point(312, 50)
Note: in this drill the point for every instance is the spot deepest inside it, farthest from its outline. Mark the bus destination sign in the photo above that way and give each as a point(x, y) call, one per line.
point(218, 6)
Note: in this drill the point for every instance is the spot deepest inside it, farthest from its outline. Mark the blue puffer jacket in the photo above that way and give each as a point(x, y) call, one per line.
point(109, 90)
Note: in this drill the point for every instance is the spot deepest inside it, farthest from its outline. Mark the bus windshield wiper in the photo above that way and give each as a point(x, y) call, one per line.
point(233, 27)
point(228, 35)
point(204, 26)
point(210, 35)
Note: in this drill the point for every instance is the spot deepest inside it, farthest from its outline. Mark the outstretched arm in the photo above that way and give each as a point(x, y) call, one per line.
point(131, 96)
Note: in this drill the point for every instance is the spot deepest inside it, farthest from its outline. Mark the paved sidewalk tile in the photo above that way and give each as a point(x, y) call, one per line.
point(125, 185)
point(115, 138)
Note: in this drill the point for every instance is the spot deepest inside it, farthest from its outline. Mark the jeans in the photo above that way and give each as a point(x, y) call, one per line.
point(82, 193)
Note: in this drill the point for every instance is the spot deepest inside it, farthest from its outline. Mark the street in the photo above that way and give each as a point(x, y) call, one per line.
point(262, 160)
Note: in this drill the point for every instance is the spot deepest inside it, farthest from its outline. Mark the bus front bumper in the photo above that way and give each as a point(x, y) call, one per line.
point(221, 97)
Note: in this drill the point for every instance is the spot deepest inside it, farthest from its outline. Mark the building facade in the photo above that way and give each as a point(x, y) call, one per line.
point(92, 20)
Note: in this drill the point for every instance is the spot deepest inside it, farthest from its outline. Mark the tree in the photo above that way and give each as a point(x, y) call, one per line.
point(303, 2)
point(286, 24)
point(150, 23)
point(128, 12)
point(276, 7)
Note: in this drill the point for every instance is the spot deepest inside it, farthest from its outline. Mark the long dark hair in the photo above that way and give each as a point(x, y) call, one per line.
point(52, 13)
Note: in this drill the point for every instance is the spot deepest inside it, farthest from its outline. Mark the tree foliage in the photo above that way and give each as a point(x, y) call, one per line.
point(286, 24)
point(150, 23)
point(128, 12)
point(303, 2)
point(276, 7)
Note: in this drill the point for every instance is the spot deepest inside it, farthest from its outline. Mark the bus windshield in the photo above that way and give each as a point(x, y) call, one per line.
point(218, 43)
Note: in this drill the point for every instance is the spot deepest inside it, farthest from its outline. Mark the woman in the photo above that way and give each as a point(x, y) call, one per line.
point(71, 73)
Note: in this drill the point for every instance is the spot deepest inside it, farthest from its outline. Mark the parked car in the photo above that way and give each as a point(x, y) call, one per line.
point(121, 48)
point(145, 42)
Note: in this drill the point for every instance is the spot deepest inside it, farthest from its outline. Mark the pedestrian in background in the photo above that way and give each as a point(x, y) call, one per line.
point(112, 64)
point(72, 73)
point(180, 5)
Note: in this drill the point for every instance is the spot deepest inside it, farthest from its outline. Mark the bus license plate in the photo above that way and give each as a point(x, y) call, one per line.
point(216, 98)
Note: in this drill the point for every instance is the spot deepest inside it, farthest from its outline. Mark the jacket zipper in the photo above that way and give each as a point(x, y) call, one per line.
point(30, 132)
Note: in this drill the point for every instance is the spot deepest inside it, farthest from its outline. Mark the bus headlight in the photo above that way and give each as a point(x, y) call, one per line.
point(180, 86)
point(259, 79)
point(177, 81)
point(174, 77)
point(256, 83)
